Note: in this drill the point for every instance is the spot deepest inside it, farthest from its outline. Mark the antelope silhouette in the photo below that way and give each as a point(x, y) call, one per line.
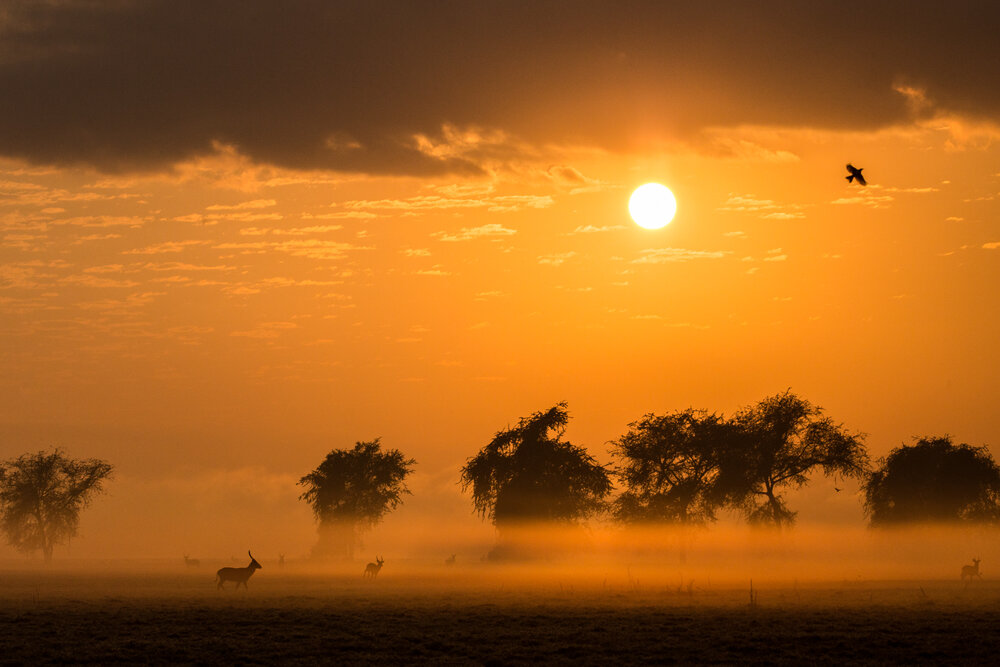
point(238, 574)
point(971, 571)
point(191, 562)
point(372, 569)
point(450, 560)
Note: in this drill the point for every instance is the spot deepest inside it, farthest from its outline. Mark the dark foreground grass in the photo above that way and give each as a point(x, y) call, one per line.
point(483, 634)
point(388, 622)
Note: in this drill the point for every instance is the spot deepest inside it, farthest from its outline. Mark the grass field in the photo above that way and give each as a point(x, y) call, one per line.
point(483, 615)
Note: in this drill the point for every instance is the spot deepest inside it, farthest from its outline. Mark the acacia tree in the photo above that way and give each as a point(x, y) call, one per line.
point(351, 491)
point(528, 473)
point(41, 496)
point(669, 466)
point(934, 480)
point(777, 443)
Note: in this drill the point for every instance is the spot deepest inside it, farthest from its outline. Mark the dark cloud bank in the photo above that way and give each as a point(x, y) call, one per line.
point(126, 85)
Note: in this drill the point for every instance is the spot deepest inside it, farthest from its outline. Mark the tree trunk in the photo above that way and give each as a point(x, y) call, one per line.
point(336, 541)
point(777, 513)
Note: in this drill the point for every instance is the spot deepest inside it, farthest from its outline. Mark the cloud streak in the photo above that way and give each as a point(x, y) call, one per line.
point(671, 255)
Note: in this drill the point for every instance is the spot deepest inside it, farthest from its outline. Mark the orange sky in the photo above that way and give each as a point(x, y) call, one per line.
point(211, 302)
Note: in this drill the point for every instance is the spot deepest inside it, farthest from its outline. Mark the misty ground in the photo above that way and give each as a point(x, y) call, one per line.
point(481, 613)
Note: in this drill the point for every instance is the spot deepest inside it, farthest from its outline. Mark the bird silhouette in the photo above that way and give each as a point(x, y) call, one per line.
point(855, 173)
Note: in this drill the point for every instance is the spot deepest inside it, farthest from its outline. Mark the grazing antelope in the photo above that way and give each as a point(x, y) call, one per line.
point(372, 569)
point(238, 574)
point(971, 571)
point(191, 562)
point(450, 560)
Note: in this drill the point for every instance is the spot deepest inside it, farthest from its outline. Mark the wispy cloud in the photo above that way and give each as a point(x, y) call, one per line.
point(868, 197)
point(556, 259)
point(294, 231)
point(90, 280)
point(164, 248)
point(593, 229)
point(784, 215)
point(436, 270)
point(96, 237)
point(422, 203)
point(492, 230)
point(742, 149)
point(923, 190)
point(184, 266)
point(668, 255)
point(235, 216)
point(567, 177)
point(252, 204)
point(265, 330)
point(339, 215)
point(765, 208)
point(312, 248)
point(102, 221)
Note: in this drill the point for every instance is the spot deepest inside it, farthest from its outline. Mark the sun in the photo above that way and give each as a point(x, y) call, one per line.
point(652, 205)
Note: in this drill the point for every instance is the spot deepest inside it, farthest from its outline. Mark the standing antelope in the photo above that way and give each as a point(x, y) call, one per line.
point(971, 571)
point(372, 569)
point(191, 562)
point(238, 574)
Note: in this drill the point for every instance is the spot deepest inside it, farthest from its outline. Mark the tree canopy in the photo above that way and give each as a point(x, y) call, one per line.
point(41, 496)
point(352, 490)
point(685, 466)
point(934, 480)
point(780, 440)
point(528, 473)
point(669, 466)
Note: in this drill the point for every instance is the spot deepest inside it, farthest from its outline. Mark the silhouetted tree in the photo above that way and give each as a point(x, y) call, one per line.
point(527, 473)
point(669, 466)
point(350, 492)
point(41, 496)
point(777, 443)
point(934, 480)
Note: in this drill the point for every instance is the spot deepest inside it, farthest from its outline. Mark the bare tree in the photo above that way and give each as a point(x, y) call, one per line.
point(41, 496)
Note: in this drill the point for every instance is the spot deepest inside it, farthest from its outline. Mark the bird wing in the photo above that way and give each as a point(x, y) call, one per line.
point(860, 178)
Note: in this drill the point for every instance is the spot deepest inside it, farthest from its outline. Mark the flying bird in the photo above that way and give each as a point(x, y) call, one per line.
point(855, 173)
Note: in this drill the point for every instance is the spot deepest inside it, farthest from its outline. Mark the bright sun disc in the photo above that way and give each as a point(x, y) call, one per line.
point(652, 205)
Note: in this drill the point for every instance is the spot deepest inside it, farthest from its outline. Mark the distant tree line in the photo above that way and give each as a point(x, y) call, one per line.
point(686, 467)
point(682, 467)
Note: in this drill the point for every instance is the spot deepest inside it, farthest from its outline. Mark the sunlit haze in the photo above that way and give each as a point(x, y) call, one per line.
point(233, 240)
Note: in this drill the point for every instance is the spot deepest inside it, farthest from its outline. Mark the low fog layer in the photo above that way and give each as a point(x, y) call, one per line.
point(726, 555)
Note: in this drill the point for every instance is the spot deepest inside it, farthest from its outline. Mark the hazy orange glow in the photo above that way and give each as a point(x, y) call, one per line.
point(212, 305)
